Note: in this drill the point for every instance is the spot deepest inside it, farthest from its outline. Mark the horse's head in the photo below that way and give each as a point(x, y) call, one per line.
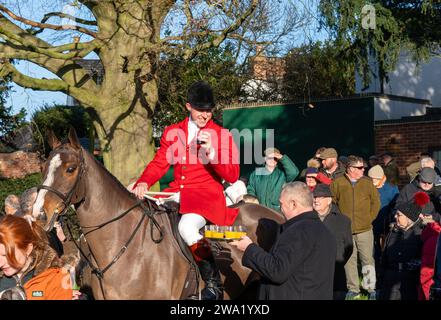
point(62, 175)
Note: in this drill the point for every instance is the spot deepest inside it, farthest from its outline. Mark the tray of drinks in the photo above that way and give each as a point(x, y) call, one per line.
point(224, 233)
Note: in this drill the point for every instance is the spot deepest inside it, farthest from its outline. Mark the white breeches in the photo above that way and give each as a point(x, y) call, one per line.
point(189, 227)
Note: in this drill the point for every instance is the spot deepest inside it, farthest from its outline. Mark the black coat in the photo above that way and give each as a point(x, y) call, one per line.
point(340, 227)
point(300, 265)
point(401, 263)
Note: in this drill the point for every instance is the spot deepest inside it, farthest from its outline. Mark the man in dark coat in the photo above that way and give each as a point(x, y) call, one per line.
point(423, 182)
point(300, 265)
point(340, 227)
point(401, 258)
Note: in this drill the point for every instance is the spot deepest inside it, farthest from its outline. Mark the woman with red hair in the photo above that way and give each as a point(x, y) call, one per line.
point(27, 261)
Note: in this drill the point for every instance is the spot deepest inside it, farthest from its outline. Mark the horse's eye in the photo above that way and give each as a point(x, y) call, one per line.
point(70, 169)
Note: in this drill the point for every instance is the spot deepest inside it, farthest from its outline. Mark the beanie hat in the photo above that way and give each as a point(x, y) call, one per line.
point(314, 163)
point(376, 172)
point(311, 170)
point(328, 153)
point(413, 208)
point(428, 175)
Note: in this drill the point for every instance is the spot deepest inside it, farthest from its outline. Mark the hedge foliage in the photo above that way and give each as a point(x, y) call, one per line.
point(17, 186)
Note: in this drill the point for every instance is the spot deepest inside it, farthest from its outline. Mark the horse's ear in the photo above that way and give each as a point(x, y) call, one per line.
point(52, 139)
point(73, 139)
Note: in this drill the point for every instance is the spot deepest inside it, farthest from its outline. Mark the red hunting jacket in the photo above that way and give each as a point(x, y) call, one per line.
point(198, 179)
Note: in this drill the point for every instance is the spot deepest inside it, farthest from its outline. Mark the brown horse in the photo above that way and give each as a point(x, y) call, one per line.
point(133, 251)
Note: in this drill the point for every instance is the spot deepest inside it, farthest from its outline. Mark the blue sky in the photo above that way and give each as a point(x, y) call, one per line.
point(31, 100)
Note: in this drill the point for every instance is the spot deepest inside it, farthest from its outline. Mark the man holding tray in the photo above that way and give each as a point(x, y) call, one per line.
point(300, 265)
point(202, 153)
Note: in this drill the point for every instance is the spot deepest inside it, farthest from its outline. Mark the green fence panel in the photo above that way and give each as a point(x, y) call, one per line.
point(347, 125)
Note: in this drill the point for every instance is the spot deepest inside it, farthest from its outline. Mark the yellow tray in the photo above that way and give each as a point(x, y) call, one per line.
point(222, 239)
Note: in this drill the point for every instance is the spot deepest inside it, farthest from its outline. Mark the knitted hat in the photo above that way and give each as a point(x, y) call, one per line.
point(412, 209)
point(328, 153)
point(314, 163)
point(322, 190)
point(311, 170)
point(200, 96)
point(376, 172)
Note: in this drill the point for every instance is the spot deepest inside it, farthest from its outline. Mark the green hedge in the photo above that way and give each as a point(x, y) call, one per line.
point(17, 186)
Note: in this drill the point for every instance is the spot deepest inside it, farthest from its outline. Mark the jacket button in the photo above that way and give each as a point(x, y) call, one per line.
point(181, 186)
point(184, 158)
point(184, 167)
point(182, 177)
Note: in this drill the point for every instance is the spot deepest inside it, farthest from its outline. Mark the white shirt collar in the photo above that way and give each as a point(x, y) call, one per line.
point(193, 130)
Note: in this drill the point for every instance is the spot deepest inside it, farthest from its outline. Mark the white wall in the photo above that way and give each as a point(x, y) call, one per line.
point(423, 82)
point(408, 80)
point(388, 109)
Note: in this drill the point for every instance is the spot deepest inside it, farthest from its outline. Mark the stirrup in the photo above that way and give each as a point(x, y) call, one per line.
point(212, 291)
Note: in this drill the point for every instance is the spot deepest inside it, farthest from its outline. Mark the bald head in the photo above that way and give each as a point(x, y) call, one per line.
point(295, 199)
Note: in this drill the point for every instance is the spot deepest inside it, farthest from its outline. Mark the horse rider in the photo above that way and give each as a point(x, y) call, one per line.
point(202, 153)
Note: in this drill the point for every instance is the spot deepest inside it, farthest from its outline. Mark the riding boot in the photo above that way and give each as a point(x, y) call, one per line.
point(203, 256)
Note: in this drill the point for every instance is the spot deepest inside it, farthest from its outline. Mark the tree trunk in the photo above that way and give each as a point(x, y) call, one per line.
point(129, 90)
point(127, 149)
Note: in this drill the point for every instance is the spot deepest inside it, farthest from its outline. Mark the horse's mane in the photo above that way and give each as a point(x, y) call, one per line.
point(104, 170)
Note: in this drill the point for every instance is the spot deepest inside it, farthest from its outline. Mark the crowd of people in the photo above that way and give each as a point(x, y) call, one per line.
point(386, 236)
point(349, 228)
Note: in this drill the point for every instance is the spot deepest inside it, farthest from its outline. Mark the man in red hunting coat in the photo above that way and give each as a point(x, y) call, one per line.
point(202, 153)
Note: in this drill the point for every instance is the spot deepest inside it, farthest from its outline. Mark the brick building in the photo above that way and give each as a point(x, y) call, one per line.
point(407, 137)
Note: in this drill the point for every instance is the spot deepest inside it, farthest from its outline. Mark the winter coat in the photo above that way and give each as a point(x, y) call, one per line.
point(198, 181)
point(429, 237)
point(300, 264)
point(340, 171)
point(340, 227)
point(409, 190)
point(388, 195)
point(267, 186)
point(400, 262)
point(359, 202)
point(45, 278)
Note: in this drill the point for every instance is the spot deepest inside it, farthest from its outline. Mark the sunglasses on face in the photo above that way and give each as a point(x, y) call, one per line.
point(424, 182)
point(359, 167)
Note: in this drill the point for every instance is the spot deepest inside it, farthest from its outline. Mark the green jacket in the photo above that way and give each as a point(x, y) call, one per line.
point(360, 202)
point(267, 186)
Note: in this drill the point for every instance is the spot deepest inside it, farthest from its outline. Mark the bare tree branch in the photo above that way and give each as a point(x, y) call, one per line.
point(68, 16)
point(46, 25)
point(7, 69)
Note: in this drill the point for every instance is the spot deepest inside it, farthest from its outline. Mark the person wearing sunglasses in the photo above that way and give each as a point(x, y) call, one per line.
point(358, 199)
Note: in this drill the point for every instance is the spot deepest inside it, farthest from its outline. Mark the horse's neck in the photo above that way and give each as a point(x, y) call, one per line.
point(105, 198)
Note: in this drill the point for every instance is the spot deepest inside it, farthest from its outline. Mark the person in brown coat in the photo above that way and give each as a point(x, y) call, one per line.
point(358, 199)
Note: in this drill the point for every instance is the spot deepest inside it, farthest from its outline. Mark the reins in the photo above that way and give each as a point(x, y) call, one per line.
point(67, 201)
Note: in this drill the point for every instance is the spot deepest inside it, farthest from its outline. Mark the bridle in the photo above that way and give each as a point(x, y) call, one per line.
point(66, 200)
